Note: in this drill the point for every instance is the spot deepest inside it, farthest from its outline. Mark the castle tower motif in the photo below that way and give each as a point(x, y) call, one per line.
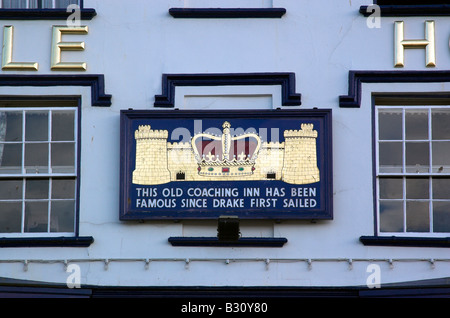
point(300, 156)
point(182, 163)
point(151, 156)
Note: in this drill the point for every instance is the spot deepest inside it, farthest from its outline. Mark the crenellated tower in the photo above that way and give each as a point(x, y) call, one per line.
point(151, 156)
point(300, 156)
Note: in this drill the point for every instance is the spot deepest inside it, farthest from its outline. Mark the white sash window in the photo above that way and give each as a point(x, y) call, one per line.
point(413, 170)
point(38, 170)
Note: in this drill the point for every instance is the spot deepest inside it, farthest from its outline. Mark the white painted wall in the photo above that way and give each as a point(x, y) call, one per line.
point(133, 43)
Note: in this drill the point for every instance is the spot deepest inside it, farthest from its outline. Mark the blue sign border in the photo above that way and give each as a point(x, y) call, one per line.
point(322, 208)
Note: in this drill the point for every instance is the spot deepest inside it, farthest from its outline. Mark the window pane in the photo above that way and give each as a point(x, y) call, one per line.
point(33, 4)
point(65, 3)
point(10, 126)
point(36, 216)
point(441, 188)
point(36, 158)
point(440, 126)
point(63, 188)
point(36, 126)
point(417, 216)
point(441, 216)
point(10, 158)
point(10, 189)
point(416, 124)
point(391, 216)
point(62, 216)
point(63, 157)
point(47, 4)
point(417, 188)
point(441, 156)
point(15, 4)
point(390, 156)
point(390, 124)
point(417, 157)
point(63, 126)
point(391, 188)
point(36, 189)
point(10, 217)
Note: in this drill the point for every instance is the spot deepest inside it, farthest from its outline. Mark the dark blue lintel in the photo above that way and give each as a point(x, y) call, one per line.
point(170, 81)
point(95, 81)
point(227, 13)
point(408, 10)
point(76, 241)
point(405, 241)
point(356, 78)
point(43, 14)
point(241, 242)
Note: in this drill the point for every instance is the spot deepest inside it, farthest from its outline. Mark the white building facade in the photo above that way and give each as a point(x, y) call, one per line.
point(379, 71)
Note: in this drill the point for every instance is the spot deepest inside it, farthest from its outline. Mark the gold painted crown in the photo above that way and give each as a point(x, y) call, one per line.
point(226, 155)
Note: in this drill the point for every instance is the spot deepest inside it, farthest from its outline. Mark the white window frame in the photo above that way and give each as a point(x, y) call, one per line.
point(49, 175)
point(27, 5)
point(404, 175)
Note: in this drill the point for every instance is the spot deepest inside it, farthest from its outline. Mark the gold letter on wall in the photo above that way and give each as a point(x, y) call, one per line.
point(58, 46)
point(401, 44)
point(7, 63)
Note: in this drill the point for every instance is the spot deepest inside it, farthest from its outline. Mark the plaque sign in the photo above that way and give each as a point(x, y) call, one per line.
point(264, 164)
